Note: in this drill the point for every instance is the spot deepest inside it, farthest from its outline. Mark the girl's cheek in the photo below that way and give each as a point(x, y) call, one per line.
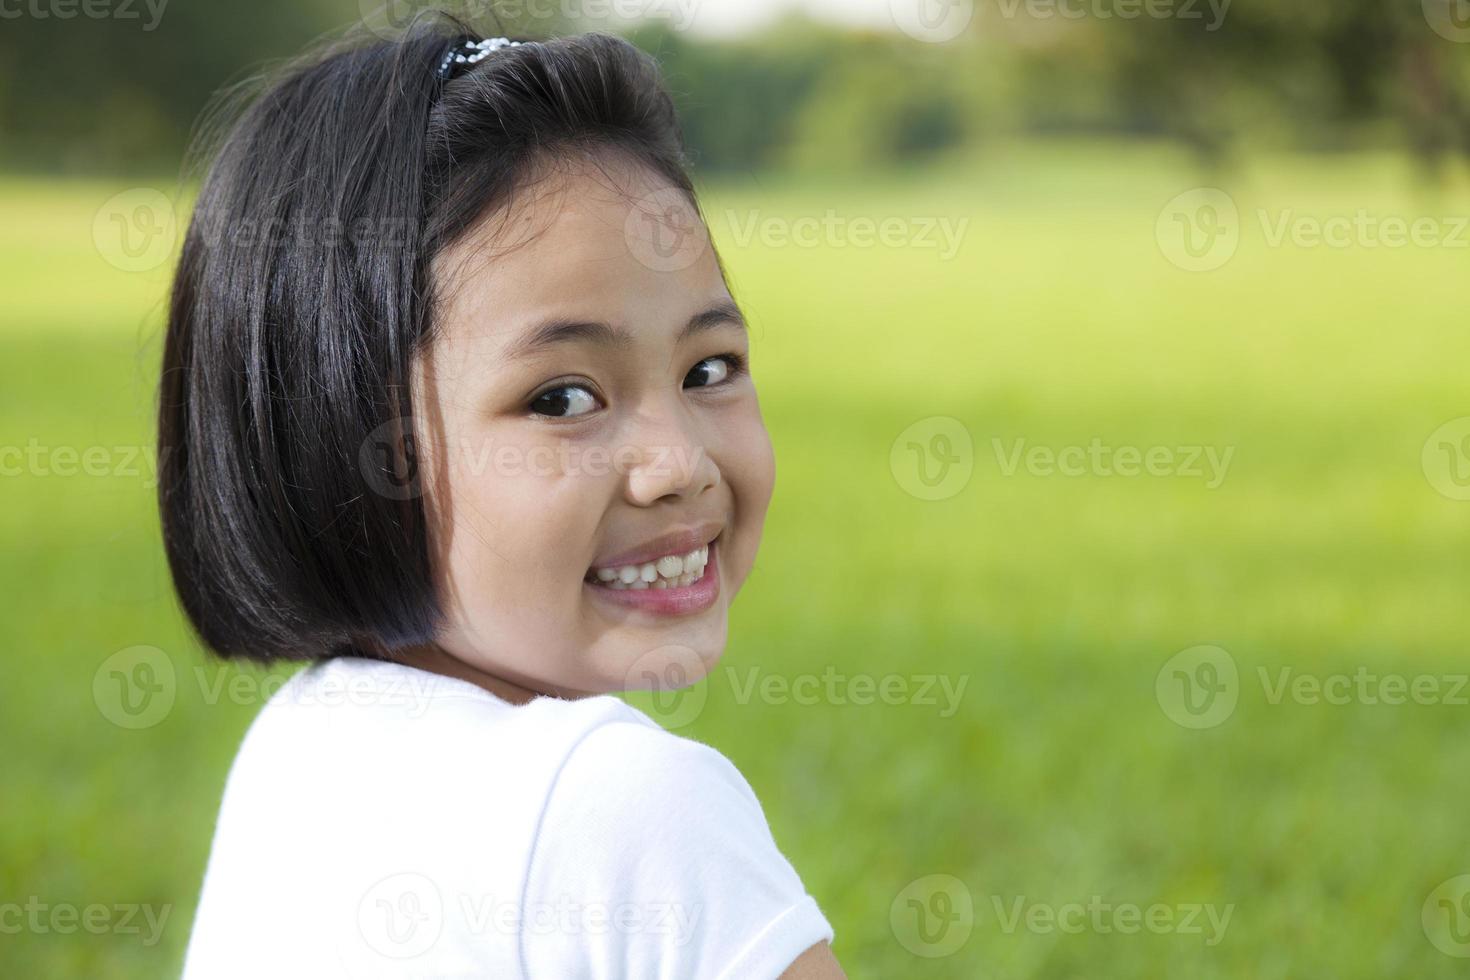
point(755, 464)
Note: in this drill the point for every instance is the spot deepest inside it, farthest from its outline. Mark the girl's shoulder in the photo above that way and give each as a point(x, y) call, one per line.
point(358, 729)
point(376, 695)
point(665, 854)
point(378, 816)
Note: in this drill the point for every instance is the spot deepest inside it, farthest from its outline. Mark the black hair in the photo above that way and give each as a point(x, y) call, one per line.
point(304, 291)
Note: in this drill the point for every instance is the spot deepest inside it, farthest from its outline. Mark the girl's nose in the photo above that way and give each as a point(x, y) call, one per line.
point(669, 464)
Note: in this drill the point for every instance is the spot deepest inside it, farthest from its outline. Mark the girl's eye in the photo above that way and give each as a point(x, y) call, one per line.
point(713, 370)
point(567, 401)
point(571, 401)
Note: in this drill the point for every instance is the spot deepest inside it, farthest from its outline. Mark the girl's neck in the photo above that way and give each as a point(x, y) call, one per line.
point(434, 659)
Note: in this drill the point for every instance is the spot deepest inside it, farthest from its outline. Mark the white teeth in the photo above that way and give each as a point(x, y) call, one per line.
point(668, 572)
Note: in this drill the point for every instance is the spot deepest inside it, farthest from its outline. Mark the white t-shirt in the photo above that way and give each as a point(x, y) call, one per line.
point(382, 821)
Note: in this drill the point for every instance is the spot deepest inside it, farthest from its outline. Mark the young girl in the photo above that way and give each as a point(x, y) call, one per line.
point(455, 404)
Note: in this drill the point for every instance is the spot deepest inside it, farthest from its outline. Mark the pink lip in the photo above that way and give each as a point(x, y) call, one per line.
point(669, 602)
point(679, 542)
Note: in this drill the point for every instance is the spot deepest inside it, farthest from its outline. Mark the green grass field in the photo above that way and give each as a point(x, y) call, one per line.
point(1060, 787)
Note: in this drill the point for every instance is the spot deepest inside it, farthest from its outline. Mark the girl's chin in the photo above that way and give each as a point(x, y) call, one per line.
point(651, 663)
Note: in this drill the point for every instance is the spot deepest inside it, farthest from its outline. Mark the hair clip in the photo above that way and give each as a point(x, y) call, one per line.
point(462, 53)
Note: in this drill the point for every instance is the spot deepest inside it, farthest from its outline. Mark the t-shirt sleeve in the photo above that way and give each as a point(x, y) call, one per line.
point(654, 860)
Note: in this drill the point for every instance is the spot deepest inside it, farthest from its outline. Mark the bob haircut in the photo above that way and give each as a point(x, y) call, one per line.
point(303, 294)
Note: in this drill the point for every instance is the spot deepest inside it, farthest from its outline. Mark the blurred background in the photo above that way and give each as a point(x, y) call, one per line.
point(1111, 618)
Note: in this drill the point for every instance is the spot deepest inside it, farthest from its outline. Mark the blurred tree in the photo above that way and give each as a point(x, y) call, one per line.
point(82, 93)
point(879, 103)
point(121, 92)
point(738, 99)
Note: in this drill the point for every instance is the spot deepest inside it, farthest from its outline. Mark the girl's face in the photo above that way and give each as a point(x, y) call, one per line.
point(586, 418)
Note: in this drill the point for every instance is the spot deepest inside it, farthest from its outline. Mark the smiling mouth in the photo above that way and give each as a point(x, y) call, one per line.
point(665, 596)
point(673, 571)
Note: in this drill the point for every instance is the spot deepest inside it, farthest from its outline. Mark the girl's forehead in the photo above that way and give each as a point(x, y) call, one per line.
point(588, 205)
point(576, 245)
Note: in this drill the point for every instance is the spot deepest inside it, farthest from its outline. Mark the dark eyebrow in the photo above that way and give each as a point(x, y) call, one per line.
point(554, 333)
point(719, 315)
